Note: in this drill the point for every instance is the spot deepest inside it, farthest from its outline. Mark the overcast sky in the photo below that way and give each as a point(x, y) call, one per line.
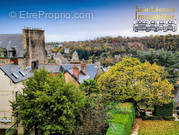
point(108, 17)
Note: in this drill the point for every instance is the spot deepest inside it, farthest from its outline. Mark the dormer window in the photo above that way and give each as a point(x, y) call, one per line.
point(12, 53)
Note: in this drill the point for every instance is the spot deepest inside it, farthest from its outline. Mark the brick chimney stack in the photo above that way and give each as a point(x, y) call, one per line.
point(76, 71)
point(83, 67)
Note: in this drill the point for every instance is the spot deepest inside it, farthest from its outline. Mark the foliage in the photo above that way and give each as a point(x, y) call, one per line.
point(131, 80)
point(116, 128)
point(158, 118)
point(156, 127)
point(164, 110)
point(124, 115)
point(167, 59)
point(89, 86)
point(107, 48)
point(92, 118)
point(48, 104)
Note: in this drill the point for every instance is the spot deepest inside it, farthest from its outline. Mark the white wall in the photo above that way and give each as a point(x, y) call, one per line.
point(7, 93)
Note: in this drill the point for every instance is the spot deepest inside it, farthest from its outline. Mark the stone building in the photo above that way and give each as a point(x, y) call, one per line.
point(19, 54)
point(26, 49)
point(75, 58)
point(11, 82)
point(59, 59)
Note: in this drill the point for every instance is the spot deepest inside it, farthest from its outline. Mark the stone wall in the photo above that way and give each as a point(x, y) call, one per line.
point(4, 61)
point(34, 45)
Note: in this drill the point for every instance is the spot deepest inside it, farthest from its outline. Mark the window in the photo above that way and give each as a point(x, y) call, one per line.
point(12, 53)
point(22, 73)
point(15, 75)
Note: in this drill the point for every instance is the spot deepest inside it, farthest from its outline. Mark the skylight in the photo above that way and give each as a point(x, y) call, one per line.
point(22, 73)
point(16, 76)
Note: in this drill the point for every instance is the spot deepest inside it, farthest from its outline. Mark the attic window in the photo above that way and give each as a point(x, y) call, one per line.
point(22, 73)
point(12, 53)
point(15, 75)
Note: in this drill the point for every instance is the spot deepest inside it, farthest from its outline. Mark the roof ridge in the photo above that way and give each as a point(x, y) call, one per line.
point(7, 64)
point(50, 64)
point(12, 34)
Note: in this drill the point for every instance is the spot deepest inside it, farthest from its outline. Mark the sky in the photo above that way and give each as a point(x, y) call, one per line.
point(61, 19)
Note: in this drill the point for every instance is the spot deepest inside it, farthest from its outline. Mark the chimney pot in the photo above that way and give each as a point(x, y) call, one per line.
point(83, 67)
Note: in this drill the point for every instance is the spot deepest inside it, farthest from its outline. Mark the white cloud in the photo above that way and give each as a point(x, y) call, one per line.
point(86, 35)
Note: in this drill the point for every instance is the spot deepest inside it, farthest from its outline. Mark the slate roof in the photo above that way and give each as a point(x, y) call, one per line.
point(13, 72)
point(9, 41)
point(91, 71)
point(50, 67)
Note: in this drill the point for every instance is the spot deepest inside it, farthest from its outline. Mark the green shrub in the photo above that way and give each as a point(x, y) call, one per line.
point(121, 114)
point(158, 118)
point(116, 129)
point(164, 110)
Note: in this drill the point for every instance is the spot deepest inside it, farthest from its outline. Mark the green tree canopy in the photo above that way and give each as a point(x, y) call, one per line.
point(167, 59)
point(49, 104)
point(131, 79)
point(93, 115)
point(89, 86)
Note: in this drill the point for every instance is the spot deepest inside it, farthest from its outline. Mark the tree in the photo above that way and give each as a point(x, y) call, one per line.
point(131, 80)
point(167, 59)
point(89, 87)
point(93, 115)
point(48, 104)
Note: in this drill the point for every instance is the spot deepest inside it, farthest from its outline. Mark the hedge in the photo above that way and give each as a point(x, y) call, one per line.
point(121, 116)
point(168, 118)
point(164, 110)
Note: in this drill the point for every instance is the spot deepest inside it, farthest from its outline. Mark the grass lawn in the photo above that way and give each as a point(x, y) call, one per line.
point(158, 127)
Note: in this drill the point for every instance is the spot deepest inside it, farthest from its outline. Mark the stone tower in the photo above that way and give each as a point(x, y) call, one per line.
point(34, 46)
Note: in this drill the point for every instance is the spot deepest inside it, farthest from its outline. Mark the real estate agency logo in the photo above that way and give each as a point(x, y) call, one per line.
point(154, 19)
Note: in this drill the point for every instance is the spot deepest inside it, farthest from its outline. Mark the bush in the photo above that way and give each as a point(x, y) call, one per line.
point(122, 114)
point(92, 119)
point(116, 129)
point(158, 118)
point(164, 110)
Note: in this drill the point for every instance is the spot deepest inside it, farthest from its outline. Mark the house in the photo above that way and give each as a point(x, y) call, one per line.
point(19, 55)
point(75, 73)
point(66, 50)
point(27, 49)
point(59, 59)
point(11, 78)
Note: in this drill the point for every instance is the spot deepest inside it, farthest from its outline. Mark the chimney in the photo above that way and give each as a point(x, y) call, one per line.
point(76, 71)
point(83, 67)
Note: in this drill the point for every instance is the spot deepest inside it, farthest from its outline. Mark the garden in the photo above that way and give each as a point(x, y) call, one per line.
point(106, 106)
